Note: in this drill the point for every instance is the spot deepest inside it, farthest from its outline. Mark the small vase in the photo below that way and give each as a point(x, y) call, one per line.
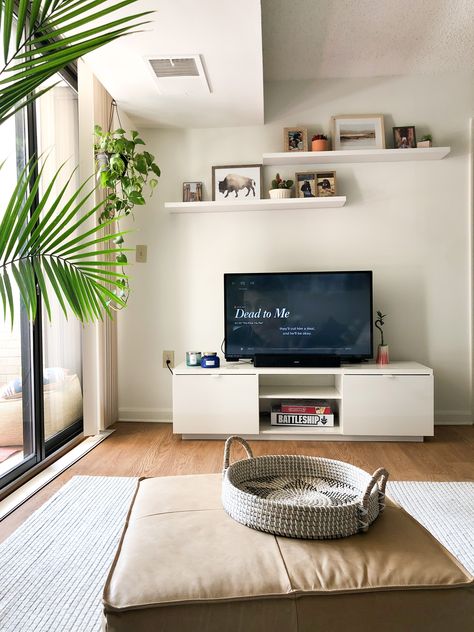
point(382, 355)
point(423, 143)
point(319, 145)
point(279, 193)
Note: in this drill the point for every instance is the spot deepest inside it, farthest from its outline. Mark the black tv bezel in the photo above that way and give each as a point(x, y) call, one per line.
point(346, 358)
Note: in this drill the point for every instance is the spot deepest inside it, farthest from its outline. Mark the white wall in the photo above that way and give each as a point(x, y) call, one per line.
point(408, 222)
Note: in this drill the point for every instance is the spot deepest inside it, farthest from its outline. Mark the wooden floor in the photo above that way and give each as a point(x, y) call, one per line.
point(145, 449)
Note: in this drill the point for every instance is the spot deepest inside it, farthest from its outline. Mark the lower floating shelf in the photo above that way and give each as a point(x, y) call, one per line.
point(220, 206)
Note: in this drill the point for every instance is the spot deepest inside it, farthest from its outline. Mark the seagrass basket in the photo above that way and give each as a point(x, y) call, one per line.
point(301, 496)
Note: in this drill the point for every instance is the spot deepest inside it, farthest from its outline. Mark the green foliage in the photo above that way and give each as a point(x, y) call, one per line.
point(278, 183)
point(47, 37)
point(427, 137)
point(55, 246)
point(44, 244)
point(379, 323)
point(123, 170)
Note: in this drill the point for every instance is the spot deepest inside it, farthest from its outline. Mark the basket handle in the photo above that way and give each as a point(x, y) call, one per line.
point(228, 445)
point(382, 475)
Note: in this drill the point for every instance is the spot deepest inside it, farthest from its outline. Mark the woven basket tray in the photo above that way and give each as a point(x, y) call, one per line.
point(301, 496)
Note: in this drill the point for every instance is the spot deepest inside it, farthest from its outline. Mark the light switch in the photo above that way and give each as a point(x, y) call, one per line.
point(140, 254)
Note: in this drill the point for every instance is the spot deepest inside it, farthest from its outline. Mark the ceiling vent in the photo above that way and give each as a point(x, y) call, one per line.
point(179, 74)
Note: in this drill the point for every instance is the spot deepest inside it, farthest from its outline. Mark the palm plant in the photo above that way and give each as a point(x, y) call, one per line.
point(40, 247)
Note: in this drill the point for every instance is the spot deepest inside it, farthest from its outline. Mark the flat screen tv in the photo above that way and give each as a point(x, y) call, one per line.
point(299, 313)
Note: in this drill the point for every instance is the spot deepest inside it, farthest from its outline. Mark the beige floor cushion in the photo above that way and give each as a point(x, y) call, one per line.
point(184, 565)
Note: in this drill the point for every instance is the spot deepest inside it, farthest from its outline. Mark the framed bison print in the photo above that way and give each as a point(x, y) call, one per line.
point(237, 182)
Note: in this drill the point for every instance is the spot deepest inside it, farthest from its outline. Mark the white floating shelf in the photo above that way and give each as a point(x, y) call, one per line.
point(354, 155)
point(219, 206)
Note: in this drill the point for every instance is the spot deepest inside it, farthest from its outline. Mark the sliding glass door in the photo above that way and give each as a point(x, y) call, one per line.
point(40, 363)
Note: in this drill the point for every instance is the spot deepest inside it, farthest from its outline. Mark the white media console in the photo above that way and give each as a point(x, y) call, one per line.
point(389, 403)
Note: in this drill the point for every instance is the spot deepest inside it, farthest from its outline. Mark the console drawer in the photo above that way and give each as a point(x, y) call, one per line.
point(388, 405)
point(212, 403)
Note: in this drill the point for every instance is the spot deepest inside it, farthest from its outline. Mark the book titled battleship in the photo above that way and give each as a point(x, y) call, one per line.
point(322, 419)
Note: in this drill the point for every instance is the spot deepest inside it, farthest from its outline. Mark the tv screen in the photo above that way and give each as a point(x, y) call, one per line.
point(320, 313)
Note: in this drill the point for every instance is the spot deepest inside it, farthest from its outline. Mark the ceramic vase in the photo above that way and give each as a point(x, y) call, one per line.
point(319, 145)
point(382, 355)
point(279, 193)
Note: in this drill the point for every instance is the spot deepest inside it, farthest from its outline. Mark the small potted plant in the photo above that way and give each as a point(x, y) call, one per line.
point(319, 142)
point(426, 141)
point(280, 188)
point(382, 349)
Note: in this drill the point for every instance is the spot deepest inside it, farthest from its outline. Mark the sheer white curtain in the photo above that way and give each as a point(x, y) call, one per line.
point(100, 339)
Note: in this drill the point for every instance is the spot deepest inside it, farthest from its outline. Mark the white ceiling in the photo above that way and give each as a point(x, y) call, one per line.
point(226, 33)
point(302, 39)
point(309, 39)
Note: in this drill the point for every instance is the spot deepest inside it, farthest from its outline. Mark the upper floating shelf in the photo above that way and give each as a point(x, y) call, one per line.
point(354, 155)
point(285, 204)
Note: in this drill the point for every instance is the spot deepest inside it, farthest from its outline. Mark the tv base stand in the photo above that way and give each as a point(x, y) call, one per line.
point(296, 360)
point(371, 403)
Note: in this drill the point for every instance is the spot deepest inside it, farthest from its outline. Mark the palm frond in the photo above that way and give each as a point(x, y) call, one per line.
point(47, 246)
point(49, 35)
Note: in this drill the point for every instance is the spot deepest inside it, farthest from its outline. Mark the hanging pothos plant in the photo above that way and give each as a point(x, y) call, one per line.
point(125, 173)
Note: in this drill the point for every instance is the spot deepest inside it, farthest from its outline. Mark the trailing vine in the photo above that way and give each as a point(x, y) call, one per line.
point(124, 172)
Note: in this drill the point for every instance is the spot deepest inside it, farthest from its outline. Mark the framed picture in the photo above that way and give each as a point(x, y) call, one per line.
point(295, 139)
point(305, 184)
point(232, 182)
point(404, 137)
point(326, 183)
point(192, 191)
point(358, 131)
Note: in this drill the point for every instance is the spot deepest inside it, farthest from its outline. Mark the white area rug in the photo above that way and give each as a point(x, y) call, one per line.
point(53, 568)
point(445, 509)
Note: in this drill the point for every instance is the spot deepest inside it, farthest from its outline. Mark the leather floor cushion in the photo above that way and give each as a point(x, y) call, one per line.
point(183, 565)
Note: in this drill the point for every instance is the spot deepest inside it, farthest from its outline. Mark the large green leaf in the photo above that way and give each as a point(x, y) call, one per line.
point(49, 35)
point(47, 245)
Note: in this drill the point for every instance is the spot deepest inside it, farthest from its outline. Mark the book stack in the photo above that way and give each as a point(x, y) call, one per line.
point(311, 413)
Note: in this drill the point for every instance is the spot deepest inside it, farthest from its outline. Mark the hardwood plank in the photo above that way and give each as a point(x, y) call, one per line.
point(146, 449)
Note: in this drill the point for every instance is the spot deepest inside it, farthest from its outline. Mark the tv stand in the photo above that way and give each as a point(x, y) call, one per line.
point(372, 403)
point(296, 360)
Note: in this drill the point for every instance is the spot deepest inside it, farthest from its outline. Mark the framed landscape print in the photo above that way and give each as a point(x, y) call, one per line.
point(192, 191)
point(231, 182)
point(326, 183)
point(295, 139)
point(305, 184)
point(358, 131)
point(404, 137)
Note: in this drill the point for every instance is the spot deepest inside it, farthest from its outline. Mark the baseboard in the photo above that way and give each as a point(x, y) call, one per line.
point(151, 415)
point(453, 418)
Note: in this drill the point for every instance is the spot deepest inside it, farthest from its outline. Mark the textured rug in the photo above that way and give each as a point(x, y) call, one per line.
point(54, 566)
point(445, 509)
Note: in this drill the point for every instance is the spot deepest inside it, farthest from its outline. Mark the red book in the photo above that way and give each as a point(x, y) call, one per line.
point(305, 409)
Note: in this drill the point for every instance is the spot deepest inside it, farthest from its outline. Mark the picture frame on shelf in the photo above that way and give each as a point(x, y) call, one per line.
point(231, 182)
point(326, 183)
point(358, 131)
point(192, 191)
point(404, 137)
point(295, 139)
point(306, 184)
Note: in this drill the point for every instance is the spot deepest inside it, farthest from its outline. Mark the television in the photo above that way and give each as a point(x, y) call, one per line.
point(317, 315)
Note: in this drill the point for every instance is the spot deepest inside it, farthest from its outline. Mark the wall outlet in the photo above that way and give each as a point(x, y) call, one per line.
point(140, 254)
point(168, 355)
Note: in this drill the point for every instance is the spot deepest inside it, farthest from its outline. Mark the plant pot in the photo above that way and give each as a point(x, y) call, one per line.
point(102, 160)
point(278, 194)
point(319, 145)
point(382, 355)
point(424, 143)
